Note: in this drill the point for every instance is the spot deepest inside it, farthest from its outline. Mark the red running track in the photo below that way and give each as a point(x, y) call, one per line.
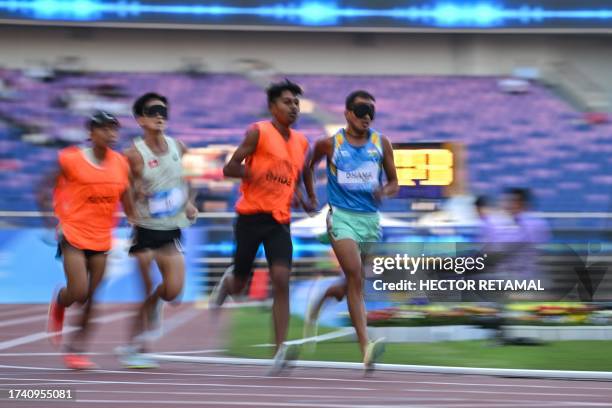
point(27, 360)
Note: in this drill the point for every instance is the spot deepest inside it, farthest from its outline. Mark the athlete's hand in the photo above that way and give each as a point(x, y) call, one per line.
point(311, 205)
point(139, 194)
point(191, 211)
point(378, 194)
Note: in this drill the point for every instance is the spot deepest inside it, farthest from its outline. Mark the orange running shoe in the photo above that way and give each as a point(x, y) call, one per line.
point(78, 362)
point(55, 320)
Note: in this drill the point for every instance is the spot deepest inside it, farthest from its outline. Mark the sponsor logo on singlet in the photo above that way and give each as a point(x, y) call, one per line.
point(366, 174)
point(278, 178)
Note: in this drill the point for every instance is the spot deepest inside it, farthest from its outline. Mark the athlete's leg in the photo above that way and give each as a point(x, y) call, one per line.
point(171, 263)
point(248, 232)
point(75, 271)
point(144, 258)
point(336, 291)
point(347, 252)
point(279, 254)
point(96, 265)
point(279, 275)
point(77, 282)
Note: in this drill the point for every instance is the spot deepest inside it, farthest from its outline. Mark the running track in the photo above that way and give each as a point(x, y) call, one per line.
point(28, 361)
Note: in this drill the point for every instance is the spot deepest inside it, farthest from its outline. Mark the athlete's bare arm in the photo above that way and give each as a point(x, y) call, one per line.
point(311, 204)
point(44, 196)
point(391, 188)
point(127, 202)
point(234, 167)
point(323, 148)
point(190, 209)
point(136, 166)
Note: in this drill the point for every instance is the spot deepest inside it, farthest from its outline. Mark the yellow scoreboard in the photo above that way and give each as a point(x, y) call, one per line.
point(427, 170)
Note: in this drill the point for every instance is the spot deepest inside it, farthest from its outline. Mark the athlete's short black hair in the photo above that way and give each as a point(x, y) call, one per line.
point(523, 194)
point(276, 89)
point(139, 105)
point(357, 94)
point(482, 202)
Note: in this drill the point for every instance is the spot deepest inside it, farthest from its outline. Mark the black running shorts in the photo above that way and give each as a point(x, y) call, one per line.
point(59, 253)
point(144, 239)
point(253, 230)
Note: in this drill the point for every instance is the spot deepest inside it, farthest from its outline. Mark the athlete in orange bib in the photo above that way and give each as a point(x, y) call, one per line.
point(89, 185)
point(274, 156)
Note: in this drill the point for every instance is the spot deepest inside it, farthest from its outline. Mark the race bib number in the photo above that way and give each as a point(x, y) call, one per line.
point(362, 178)
point(167, 203)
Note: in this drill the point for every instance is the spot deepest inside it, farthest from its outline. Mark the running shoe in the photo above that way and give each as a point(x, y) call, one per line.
point(285, 354)
point(374, 352)
point(138, 361)
point(219, 292)
point(78, 362)
point(55, 320)
point(131, 357)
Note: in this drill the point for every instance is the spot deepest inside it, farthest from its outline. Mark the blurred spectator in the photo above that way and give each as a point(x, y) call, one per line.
point(482, 206)
point(40, 71)
point(83, 100)
point(596, 118)
point(6, 89)
point(513, 85)
point(510, 235)
point(526, 227)
point(513, 222)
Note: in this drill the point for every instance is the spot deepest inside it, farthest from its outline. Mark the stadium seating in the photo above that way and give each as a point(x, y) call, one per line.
point(534, 140)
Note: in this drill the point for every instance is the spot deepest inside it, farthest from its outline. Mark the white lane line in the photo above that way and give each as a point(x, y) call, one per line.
point(325, 405)
point(31, 338)
point(335, 405)
point(68, 381)
point(562, 384)
point(22, 320)
point(33, 368)
point(244, 403)
point(33, 384)
point(495, 372)
point(273, 395)
point(208, 351)
point(513, 404)
point(330, 398)
point(24, 311)
point(57, 353)
point(496, 392)
point(490, 403)
point(322, 337)
point(113, 317)
point(411, 390)
point(109, 353)
point(30, 319)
